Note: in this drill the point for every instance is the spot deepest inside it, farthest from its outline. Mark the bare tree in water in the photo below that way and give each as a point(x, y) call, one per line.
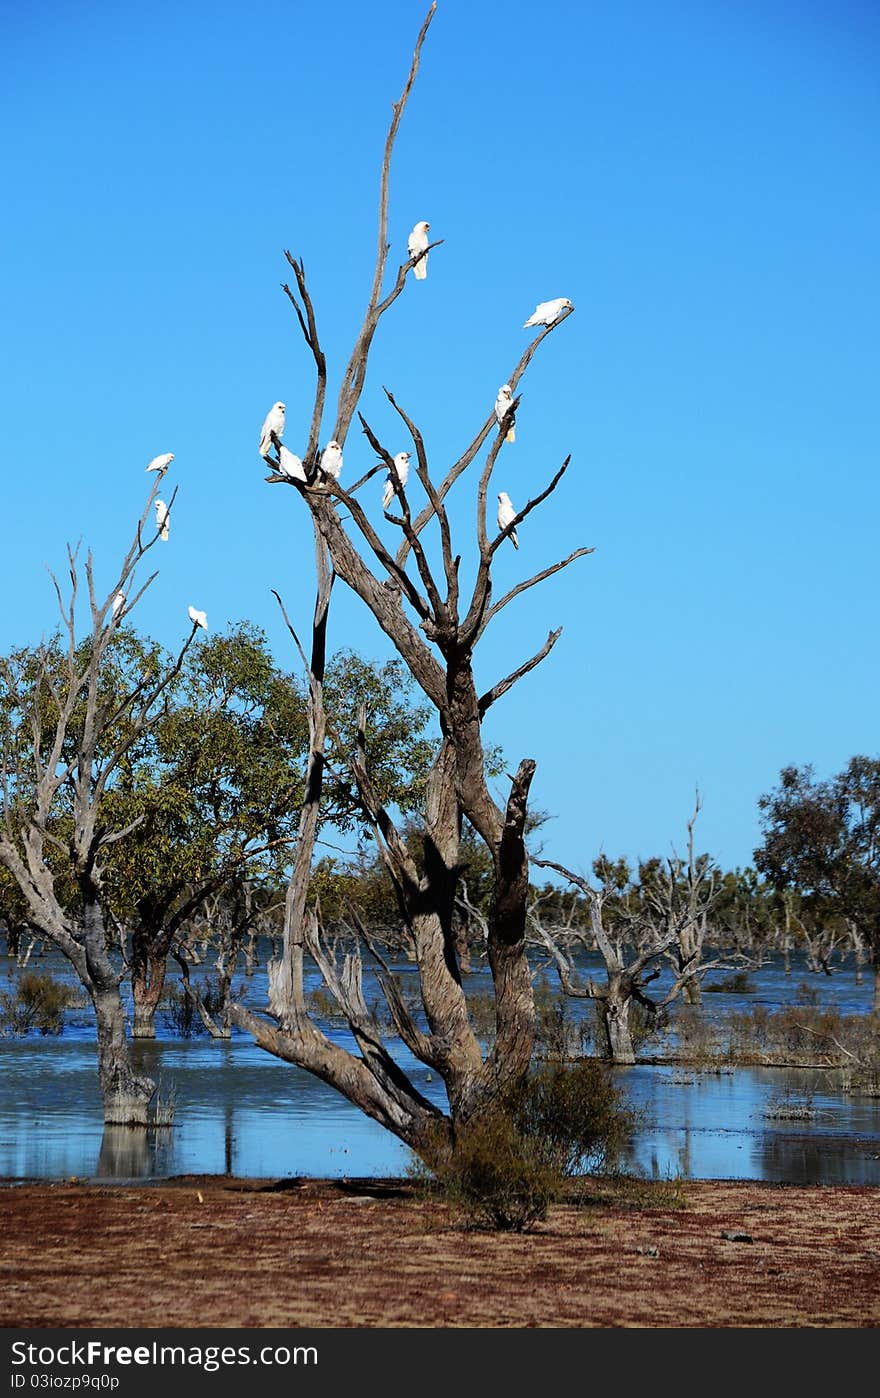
point(74, 711)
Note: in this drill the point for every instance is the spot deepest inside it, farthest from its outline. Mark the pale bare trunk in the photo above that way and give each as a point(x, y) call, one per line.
point(615, 1021)
point(126, 1096)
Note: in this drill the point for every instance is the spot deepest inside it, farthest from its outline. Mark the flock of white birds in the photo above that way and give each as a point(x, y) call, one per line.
point(330, 464)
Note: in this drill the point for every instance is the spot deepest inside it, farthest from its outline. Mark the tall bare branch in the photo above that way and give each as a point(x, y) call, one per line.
point(355, 373)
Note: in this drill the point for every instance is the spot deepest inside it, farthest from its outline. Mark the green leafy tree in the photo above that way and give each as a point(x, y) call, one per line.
point(822, 838)
point(217, 792)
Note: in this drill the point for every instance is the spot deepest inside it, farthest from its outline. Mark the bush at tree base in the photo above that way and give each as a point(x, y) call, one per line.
point(507, 1166)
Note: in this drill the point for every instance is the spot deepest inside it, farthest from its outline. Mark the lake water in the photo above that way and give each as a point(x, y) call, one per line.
point(239, 1111)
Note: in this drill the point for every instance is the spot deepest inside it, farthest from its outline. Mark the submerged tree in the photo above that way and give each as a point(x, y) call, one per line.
point(635, 922)
point(435, 628)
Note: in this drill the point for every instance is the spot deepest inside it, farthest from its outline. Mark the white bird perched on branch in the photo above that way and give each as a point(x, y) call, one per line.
point(162, 518)
point(272, 427)
point(118, 603)
point(331, 459)
point(401, 471)
point(502, 403)
point(547, 311)
point(161, 463)
point(198, 618)
point(506, 513)
point(416, 243)
point(290, 465)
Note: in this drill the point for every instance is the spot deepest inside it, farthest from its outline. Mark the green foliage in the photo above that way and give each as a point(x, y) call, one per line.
point(13, 910)
point(399, 750)
point(218, 781)
point(823, 839)
point(39, 1002)
point(507, 1166)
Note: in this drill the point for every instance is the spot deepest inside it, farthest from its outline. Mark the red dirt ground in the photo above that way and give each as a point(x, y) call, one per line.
point(252, 1253)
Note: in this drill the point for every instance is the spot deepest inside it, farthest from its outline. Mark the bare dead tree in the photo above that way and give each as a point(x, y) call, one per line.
point(68, 736)
point(679, 901)
point(435, 630)
point(626, 975)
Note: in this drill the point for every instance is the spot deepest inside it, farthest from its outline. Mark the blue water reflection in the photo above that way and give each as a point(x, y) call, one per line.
point(239, 1111)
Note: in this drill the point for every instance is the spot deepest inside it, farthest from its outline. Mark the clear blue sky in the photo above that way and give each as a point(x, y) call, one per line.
point(700, 179)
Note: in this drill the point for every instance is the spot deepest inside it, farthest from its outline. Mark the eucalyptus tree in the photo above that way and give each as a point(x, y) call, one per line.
point(435, 623)
point(822, 839)
point(208, 796)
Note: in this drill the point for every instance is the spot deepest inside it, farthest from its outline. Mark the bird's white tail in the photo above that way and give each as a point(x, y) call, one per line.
point(387, 495)
point(513, 539)
point(420, 271)
point(511, 434)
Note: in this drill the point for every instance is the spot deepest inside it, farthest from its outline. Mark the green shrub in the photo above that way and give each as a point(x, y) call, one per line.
point(38, 1002)
point(509, 1164)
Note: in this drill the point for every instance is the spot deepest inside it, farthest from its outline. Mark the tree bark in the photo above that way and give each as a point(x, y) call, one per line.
point(615, 1021)
point(147, 984)
point(126, 1095)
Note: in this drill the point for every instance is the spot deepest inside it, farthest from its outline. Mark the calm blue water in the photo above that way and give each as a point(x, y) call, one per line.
point(239, 1111)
